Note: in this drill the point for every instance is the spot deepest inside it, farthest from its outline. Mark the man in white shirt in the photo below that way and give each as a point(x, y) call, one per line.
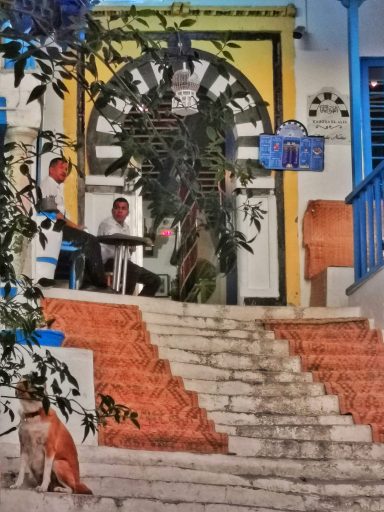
point(52, 189)
point(135, 274)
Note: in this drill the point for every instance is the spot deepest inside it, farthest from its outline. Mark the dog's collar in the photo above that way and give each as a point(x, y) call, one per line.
point(31, 414)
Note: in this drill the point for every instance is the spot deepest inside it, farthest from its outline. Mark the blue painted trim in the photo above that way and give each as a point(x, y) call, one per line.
point(3, 111)
point(46, 259)
point(12, 292)
point(356, 191)
point(367, 134)
point(356, 241)
point(379, 226)
point(355, 88)
point(49, 215)
point(69, 247)
point(347, 3)
point(371, 228)
point(363, 233)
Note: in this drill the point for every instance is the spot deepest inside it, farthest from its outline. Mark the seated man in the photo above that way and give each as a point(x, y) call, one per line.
point(135, 274)
point(52, 188)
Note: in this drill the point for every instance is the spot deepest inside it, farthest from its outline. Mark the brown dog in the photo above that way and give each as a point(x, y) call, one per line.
point(46, 448)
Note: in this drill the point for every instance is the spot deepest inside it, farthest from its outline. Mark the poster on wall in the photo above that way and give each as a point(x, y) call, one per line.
point(328, 116)
point(290, 149)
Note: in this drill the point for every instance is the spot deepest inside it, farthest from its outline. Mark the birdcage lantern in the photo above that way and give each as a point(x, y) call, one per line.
point(185, 86)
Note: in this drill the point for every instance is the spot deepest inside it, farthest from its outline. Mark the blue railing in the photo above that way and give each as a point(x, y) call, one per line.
point(367, 201)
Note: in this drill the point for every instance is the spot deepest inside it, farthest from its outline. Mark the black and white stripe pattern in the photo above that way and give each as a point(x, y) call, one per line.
point(327, 96)
point(249, 121)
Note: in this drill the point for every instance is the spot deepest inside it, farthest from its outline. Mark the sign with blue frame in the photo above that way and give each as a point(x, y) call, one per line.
point(291, 149)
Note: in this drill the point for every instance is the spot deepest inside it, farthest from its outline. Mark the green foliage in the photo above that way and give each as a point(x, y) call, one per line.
point(205, 282)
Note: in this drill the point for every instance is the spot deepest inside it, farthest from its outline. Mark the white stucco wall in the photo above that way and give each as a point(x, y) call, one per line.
point(322, 61)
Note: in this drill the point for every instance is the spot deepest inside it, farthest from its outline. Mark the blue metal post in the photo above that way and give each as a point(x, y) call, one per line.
point(355, 88)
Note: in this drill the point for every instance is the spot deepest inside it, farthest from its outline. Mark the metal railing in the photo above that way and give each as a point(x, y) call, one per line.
point(367, 201)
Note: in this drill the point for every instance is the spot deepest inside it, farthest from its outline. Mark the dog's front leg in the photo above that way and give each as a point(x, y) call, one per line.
point(48, 463)
point(23, 466)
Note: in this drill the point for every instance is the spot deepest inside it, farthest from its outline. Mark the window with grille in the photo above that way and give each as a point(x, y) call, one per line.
point(373, 112)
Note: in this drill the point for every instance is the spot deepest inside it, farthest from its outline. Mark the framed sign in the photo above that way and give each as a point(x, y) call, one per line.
point(291, 149)
point(328, 116)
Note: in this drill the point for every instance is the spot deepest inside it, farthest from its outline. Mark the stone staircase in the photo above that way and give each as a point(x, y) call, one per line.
point(289, 448)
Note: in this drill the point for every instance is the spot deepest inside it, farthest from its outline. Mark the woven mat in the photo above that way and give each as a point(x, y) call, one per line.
point(127, 367)
point(327, 236)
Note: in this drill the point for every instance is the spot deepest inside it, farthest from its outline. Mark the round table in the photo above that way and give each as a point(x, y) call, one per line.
point(122, 244)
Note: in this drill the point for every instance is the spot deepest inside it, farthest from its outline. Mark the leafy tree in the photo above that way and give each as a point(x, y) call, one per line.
point(69, 43)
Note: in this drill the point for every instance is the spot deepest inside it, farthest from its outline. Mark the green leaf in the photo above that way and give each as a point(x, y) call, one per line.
point(91, 65)
point(217, 45)
point(37, 92)
point(47, 147)
point(187, 23)
point(44, 67)
point(143, 22)
point(57, 90)
point(162, 19)
point(233, 45)
point(24, 169)
point(227, 55)
point(46, 404)
point(211, 133)
point(19, 71)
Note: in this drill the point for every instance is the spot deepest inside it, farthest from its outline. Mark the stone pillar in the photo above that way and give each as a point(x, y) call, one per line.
point(23, 123)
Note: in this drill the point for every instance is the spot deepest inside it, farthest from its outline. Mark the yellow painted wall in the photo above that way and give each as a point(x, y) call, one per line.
point(69, 123)
point(260, 74)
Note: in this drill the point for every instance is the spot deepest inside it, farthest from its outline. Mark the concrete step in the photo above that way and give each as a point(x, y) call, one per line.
point(358, 462)
point(216, 344)
point(296, 449)
point(195, 371)
point(339, 433)
point(240, 313)
point(218, 323)
point(237, 387)
point(249, 419)
point(256, 500)
point(184, 330)
point(227, 360)
point(322, 405)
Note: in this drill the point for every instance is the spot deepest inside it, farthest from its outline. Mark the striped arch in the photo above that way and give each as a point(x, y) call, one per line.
point(327, 96)
point(248, 123)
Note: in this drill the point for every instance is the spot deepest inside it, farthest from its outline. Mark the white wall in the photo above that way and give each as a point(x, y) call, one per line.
point(369, 296)
point(80, 363)
point(322, 61)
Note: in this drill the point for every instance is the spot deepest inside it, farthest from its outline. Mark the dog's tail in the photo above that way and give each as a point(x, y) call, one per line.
point(82, 489)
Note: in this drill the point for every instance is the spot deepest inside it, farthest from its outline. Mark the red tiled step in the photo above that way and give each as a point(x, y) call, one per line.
point(361, 402)
point(346, 375)
point(345, 362)
point(142, 393)
point(168, 440)
point(357, 386)
point(330, 347)
point(377, 432)
point(314, 335)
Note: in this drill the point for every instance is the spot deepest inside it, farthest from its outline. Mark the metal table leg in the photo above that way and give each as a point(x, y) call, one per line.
point(125, 268)
point(119, 267)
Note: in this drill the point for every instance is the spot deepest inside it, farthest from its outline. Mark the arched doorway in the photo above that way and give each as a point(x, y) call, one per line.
point(250, 120)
